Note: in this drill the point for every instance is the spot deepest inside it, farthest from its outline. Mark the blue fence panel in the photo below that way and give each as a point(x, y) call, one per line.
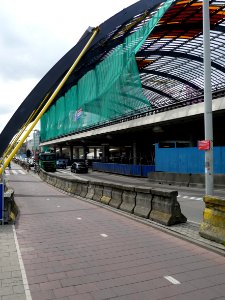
point(147, 169)
point(133, 170)
point(187, 160)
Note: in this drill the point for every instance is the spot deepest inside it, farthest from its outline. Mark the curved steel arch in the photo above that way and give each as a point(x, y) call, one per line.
point(159, 92)
point(170, 76)
point(179, 55)
point(178, 35)
point(52, 78)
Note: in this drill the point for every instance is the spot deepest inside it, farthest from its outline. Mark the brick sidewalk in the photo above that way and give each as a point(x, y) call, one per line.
point(73, 249)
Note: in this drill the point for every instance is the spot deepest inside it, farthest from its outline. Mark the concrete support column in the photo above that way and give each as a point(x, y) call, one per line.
point(105, 153)
point(134, 153)
point(85, 152)
point(60, 151)
point(71, 152)
point(77, 156)
point(95, 153)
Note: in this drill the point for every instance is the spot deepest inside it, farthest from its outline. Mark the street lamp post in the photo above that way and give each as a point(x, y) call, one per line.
point(207, 100)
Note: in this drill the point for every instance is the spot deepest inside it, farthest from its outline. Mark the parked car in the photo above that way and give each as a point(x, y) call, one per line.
point(79, 167)
point(61, 164)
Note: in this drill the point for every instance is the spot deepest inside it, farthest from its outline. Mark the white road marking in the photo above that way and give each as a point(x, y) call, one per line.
point(47, 199)
point(58, 206)
point(7, 172)
point(104, 235)
point(22, 172)
point(172, 280)
point(79, 218)
point(23, 272)
point(14, 172)
point(190, 198)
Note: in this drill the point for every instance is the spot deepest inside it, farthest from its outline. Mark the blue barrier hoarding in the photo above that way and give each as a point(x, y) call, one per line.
point(1, 200)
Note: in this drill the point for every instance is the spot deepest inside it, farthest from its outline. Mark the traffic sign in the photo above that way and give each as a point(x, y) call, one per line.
point(204, 145)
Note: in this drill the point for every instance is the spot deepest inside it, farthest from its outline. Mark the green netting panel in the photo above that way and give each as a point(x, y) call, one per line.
point(112, 89)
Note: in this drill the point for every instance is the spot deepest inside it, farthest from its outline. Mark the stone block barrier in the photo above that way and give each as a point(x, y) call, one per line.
point(213, 225)
point(98, 191)
point(159, 205)
point(10, 208)
point(117, 192)
point(143, 202)
point(165, 207)
point(107, 193)
point(128, 199)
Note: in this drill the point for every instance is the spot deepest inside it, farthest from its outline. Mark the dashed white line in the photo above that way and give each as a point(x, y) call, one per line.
point(21, 172)
point(47, 199)
point(199, 199)
point(172, 279)
point(190, 198)
point(79, 218)
point(58, 206)
point(104, 235)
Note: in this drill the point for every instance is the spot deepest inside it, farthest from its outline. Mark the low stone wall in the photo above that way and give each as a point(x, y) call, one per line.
point(10, 207)
point(160, 205)
point(213, 226)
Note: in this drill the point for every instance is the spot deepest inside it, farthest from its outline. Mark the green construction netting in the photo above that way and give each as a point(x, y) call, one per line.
point(112, 89)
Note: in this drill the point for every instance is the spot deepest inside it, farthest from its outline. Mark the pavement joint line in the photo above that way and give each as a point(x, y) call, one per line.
point(172, 279)
point(22, 268)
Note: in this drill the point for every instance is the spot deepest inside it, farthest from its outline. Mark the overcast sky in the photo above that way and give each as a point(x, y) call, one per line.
point(34, 35)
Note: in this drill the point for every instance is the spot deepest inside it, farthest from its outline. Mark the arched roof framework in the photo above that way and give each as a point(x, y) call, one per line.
point(170, 61)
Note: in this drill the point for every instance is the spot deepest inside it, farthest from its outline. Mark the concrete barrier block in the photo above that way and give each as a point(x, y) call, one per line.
point(78, 189)
point(91, 191)
point(69, 186)
point(128, 199)
point(58, 183)
point(53, 180)
point(143, 202)
point(107, 194)
point(10, 207)
point(98, 191)
point(117, 192)
point(84, 189)
point(73, 187)
point(63, 184)
point(165, 208)
point(213, 225)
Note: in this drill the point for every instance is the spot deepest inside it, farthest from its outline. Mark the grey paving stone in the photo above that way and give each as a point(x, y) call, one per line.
point(6, 291)
point(15, 297)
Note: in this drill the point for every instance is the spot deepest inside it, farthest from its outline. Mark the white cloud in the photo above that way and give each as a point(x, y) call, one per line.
point(34, 35)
